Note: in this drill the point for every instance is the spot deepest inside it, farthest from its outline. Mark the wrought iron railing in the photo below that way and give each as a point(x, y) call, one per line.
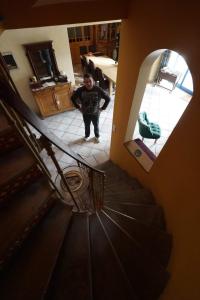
point(21, 117)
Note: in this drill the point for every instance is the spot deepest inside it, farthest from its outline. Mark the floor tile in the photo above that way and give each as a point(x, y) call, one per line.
point(165, 108)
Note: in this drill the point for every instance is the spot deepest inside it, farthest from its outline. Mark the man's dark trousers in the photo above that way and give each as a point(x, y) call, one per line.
point(94, 118)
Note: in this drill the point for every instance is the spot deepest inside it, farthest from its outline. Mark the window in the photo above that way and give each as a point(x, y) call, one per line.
point(177, 63)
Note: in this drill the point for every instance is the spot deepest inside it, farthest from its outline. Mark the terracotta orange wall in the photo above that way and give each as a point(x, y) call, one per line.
point(23, 15)
point(175, 176)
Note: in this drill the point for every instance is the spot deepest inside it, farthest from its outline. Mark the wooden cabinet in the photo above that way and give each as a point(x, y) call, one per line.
point(79, 37)
point(102, 37)
point(53, 100)
point(80, 33)
point(107, 37)
point(46, 102)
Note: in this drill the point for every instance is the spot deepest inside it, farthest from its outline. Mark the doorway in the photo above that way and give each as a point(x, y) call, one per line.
point(163, 101)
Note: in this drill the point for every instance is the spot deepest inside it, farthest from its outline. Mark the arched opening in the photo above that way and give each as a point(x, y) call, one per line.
point(53, 104)
point(163, 91)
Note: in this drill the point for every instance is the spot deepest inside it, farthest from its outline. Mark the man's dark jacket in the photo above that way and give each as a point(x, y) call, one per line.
point(89, 100)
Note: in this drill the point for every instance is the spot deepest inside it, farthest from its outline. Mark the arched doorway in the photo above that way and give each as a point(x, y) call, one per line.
point(163, 91)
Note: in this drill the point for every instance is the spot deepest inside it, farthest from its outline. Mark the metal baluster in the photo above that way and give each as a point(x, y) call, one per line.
point(51, 153)
point(15, 122)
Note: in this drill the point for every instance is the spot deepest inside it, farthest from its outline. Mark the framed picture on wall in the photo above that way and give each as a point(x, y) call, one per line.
point(9, 60)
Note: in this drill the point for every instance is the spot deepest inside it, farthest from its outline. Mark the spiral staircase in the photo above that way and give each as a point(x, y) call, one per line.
point(115, 248)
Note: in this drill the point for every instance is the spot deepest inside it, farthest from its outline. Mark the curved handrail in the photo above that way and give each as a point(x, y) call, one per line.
point(8, 96)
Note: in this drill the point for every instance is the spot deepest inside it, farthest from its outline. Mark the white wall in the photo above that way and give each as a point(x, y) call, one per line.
point(13, 40)
point(142, 81)
point(154, 70)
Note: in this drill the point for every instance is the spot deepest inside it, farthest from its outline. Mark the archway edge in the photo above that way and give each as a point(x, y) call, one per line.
point(139, 91)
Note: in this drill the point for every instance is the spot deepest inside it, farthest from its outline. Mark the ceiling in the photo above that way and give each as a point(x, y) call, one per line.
point(49, 2)
point(37, 13)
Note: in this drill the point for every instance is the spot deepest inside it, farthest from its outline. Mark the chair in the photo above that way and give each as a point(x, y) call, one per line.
point(84, 64)
point(148, 129)
point(92, 48)
point(83, 50)
point(103, 82)
point(91, 69)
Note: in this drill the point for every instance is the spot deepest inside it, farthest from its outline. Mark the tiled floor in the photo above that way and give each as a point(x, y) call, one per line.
point(69, 127)
point(165, 108)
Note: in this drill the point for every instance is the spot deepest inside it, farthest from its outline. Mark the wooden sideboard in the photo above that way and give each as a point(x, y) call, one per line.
point(53, 99)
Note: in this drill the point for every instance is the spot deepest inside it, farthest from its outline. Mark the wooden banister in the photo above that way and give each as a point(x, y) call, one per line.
point(12, 102)
point(9, 97)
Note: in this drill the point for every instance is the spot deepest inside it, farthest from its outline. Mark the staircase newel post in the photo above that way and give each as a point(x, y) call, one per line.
point(32, 135)
point(48, 146)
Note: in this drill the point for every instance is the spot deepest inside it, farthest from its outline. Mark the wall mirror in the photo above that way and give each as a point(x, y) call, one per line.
point(42, 59)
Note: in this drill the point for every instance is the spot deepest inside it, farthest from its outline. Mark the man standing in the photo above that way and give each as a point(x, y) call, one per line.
point(87, 99)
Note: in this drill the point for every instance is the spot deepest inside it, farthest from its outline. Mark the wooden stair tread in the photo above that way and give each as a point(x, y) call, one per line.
point(147, 276)
point(21, 212)
point(109, 281)
point(117, 175)
point(104, 256)
point(71, 279)
point(113, 176)
point(142, 196)
point(150, 214)
point(114, 185)
point(9, 140)
point(119, 189)
point(113, 172)
point(32, 269)
point(3, 122)
point(15, 163)
point(149, 237)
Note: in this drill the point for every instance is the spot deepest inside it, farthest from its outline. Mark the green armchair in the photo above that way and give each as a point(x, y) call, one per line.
point(148, 129)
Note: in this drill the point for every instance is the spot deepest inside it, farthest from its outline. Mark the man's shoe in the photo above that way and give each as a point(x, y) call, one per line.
point(97, 139)
point(86, 138)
